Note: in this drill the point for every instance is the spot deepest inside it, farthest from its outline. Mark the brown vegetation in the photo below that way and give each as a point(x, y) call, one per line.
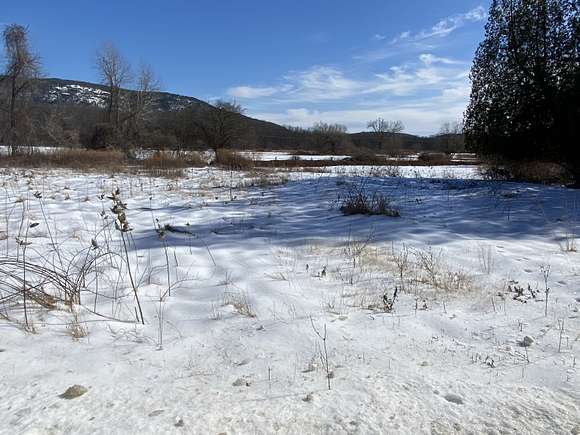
point(532, 171)
point(108, 160)
point(233, 160)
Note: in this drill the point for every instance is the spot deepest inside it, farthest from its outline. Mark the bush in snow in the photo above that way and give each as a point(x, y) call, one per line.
point(359, 201)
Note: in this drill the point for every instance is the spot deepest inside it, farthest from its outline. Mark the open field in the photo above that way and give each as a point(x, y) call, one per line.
point(257, 302)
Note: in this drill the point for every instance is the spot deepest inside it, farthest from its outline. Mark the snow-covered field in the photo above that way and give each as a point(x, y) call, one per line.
point(5, 150)
point(240, 279)
point(264, 156)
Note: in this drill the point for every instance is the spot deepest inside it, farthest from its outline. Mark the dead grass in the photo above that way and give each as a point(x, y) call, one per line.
point(108, 160)
point(240, 302)
point(75, 328)
point(367, 158)
point(161, 163)
point(434, 159)
point(264, 179)
point(232, 160)
point(533, 171)
point(172, 160)
point(359, 201)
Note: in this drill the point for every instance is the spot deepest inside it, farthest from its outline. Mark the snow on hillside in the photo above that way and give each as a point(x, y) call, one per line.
point(77, 94)
point(93, 95)
point(256, 268)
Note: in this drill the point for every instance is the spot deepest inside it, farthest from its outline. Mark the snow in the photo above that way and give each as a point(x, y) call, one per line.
point(78, 94)
point(255, 270)
point(265, 156)
point(447, 172)
point(5, 150)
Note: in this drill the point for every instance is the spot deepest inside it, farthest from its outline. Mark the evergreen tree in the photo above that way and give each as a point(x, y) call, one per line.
point(525, 83)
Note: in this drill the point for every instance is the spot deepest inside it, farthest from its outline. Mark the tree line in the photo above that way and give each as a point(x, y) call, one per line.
point(128, 118)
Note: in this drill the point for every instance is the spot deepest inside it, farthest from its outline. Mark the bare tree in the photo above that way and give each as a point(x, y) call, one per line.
point(221, 125)
point(329, 136)
point(140, 100)
point(386, 131)
point(115, 72)
point(22, 66)
point(451, 136)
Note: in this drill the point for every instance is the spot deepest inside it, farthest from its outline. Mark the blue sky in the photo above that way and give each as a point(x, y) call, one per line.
point(291, 62)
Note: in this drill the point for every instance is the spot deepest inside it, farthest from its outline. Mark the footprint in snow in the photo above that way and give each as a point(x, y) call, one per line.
point(156, 412)
point(454, 398)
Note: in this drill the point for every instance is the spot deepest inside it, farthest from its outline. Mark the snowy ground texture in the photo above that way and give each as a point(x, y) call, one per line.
point(257, 265)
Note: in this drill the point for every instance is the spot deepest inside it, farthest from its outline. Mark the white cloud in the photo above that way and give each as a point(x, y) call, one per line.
point(429, 59)
point(446, 26)
point(321, 83)
point(317, 83)
point(423, 95)
point(324, 83)
point(418, 118)
point(457, 93)
point(402, 36)
point(425, 39)
point(477, 14)
point(409, 80)
point(423, 92)
point(250, 92)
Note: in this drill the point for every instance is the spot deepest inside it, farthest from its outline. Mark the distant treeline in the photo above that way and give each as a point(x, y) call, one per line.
point(128, 110)
point(52, 118)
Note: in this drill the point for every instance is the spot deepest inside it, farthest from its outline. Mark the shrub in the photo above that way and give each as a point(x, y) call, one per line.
point(109, 160)
point(161, 164)
point(532, 171)
point(240, 302)
point(359, 201)
point(385, 171)
point(101, 137)
point(172, 160)
point(434, 158)
point(232, 160)
point(367, 158)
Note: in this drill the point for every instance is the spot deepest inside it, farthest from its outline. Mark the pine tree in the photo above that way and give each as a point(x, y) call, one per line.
point(525, 76)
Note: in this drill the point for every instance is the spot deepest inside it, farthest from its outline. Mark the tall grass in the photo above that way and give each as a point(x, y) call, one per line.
point(232, 160)
point(111, 160)
point(161, 163)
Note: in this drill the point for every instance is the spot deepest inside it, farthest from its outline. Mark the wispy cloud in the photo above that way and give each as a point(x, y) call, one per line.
point(325, 83)
point(251, 92)
point(321, 83)
point(423, 93)
point(425, 39)
point(444, 27)
point(418, 117)
point(317, 83)
point(423, 88)
point(430, 59)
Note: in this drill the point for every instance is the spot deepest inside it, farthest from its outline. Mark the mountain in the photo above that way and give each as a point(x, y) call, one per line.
point(73, 105)
point(71, 92)
point(61, 111)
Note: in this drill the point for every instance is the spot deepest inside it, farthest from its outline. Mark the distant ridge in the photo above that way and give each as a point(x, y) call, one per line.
point(79, 104)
